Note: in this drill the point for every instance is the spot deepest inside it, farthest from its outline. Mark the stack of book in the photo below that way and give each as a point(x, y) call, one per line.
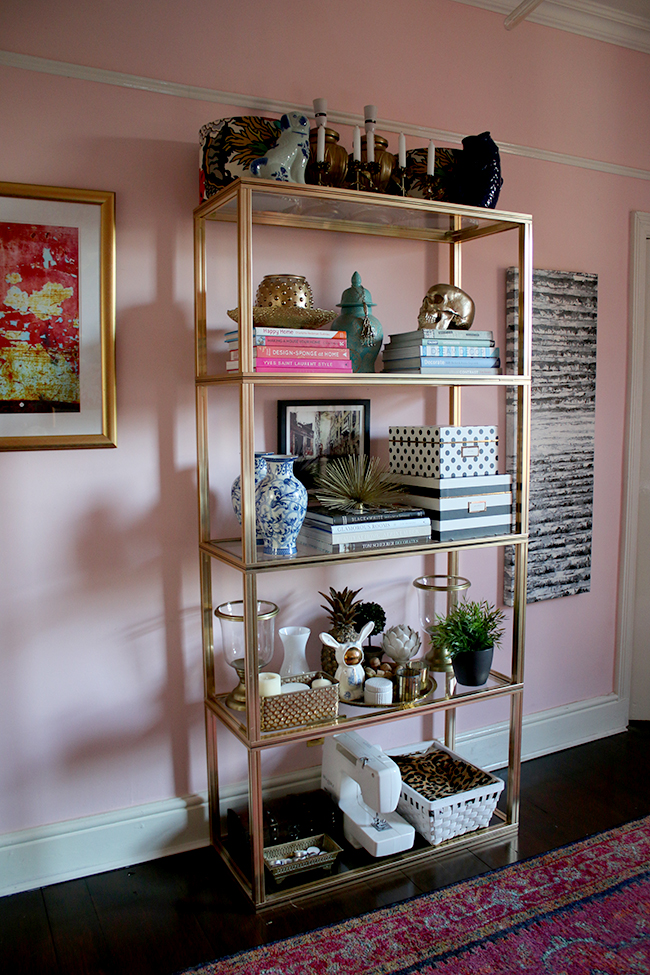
point(432, 351)
point(331, 531)
point(293, 350)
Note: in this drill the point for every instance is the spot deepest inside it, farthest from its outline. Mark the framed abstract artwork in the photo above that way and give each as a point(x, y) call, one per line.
point(57, 318)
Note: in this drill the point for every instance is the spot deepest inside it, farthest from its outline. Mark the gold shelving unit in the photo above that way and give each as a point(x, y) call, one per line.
point(251, 202)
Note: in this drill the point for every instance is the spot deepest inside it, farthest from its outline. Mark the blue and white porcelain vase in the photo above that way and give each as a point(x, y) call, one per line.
point(281, 504)
point(235, 491)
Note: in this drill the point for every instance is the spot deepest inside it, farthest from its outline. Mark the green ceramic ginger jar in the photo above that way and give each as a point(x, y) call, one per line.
point(364, 331)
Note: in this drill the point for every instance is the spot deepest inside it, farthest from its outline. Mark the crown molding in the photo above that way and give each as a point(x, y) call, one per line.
point(595, 20)
point(82, 72)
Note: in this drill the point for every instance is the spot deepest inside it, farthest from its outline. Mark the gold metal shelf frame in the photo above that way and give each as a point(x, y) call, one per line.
point(251, 202)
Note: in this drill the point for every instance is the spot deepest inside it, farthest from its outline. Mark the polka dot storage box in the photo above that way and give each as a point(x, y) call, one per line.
point(443, 451)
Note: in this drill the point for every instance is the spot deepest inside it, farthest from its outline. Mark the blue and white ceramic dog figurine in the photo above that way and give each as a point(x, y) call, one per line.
point(287, 160)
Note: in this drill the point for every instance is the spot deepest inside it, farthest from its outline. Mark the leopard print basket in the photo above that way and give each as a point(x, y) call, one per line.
point(443, 796)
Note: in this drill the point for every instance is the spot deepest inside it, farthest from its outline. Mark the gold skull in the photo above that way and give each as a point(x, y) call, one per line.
point(445, 306)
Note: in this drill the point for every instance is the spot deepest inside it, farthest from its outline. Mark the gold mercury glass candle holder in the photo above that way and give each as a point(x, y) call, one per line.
point(412, 680)
point(231, 618)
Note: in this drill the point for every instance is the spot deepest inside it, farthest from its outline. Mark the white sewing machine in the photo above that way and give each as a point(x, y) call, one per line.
point(366, 784)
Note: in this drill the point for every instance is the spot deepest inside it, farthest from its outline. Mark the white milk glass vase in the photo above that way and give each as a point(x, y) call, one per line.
point(294, 640)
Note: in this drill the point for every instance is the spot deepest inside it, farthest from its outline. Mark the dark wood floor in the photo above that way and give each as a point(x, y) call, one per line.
point(160, 917)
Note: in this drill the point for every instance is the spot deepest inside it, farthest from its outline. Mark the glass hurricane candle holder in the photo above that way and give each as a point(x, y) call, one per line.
point(231, 618)
point(436, 595)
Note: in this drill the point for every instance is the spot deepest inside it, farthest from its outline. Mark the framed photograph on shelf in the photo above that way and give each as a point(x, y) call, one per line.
point(57, 317)
point(317, 430)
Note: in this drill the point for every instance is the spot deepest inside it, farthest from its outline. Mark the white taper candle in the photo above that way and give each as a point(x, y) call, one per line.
point(356, 144)
point(431, 158)
point(370, 115)
point(401, 151)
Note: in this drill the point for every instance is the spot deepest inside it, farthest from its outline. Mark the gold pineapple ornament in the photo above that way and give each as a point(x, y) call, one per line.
point(341, 609)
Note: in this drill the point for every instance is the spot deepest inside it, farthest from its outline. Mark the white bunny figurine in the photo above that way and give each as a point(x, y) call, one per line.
point(349, 656)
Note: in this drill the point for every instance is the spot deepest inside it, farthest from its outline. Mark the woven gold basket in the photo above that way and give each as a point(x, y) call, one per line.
point(300, 707)
point(323, 861)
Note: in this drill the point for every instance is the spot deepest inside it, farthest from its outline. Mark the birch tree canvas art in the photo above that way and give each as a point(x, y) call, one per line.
point(565, 309)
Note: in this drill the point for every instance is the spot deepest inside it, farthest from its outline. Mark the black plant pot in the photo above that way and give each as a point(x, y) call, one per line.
point(472, 669)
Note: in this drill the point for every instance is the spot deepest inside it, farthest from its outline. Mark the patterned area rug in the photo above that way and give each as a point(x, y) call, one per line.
point(584, 908)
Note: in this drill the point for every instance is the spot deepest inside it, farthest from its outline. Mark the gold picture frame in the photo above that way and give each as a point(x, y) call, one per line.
point(57, 318)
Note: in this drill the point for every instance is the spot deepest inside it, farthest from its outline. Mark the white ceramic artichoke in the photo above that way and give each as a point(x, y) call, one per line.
point(400, 643)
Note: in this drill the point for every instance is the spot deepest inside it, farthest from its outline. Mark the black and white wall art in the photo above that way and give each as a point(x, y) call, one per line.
point(565, 307)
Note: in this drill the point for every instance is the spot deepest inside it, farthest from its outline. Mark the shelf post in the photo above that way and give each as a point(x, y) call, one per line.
point(256, 821)
point(251, 664)
point(200, 324)
point(455, 419)
point(247, 392)
point(213, 776)
point(245, 276)
point(514, 758)
point(247, 456)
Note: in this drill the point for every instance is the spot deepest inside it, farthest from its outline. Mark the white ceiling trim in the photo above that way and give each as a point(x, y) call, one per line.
point(103, 76)
point(595, 20)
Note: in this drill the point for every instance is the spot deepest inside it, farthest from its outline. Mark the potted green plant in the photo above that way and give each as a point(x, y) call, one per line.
point(371, 613)
point(469, 633)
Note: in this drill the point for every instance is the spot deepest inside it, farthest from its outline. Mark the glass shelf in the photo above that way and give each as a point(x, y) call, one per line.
point(353, 211)
point(230, 550)
point(361, 379)
point(447, 695)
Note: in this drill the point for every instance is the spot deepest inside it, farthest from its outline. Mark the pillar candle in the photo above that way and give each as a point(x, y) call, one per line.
point(270, 684)
point(320, 682)
point(294, 686)
point(401, 151)
point(431, 156)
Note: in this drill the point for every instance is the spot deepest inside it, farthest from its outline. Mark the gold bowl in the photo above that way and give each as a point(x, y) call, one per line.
point(286, 301)
point(288, 317)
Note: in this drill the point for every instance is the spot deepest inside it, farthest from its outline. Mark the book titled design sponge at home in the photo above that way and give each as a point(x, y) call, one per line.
point(287, 352)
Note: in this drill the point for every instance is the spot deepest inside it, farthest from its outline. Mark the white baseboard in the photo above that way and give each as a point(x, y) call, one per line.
point(547, 731)
point(80, 847)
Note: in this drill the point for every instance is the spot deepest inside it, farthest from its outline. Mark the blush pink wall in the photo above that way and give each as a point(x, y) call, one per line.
point(100, 687)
